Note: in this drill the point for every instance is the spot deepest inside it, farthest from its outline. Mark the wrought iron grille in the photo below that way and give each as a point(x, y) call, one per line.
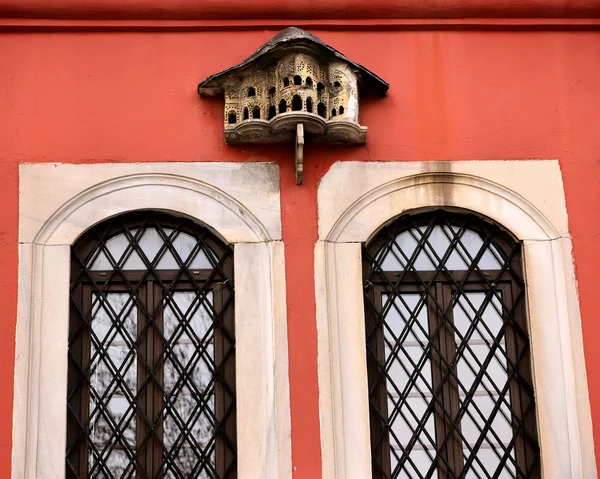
point(449, 372)
point(151, 376)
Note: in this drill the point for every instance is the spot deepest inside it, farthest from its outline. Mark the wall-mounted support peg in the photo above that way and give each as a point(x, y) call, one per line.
point(299, 153)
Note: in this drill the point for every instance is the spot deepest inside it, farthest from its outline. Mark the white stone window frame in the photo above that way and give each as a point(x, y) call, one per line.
point(526, 197)
point(241, 204)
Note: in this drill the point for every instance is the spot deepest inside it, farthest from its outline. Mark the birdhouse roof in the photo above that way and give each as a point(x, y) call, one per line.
point(287, 38)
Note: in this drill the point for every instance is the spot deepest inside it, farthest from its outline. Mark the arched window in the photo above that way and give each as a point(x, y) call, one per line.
point(151, 375)
point(246, 114)
point(251, 91)
point(341, 110)
point(297, 80)
point(320, 87)
point(309, 105)
point(232, 117)
point(333, 112)
point(296, 103)
point(256, 113)
point(309, 82)
point(321, 110)
point(448, 355)
point(272, 112)
point(286, 82)
point(282, 106)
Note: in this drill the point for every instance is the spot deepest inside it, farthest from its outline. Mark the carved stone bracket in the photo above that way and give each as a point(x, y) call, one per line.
point(293, 88)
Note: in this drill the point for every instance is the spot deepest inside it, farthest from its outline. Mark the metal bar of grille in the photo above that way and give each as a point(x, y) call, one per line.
point(450, 387)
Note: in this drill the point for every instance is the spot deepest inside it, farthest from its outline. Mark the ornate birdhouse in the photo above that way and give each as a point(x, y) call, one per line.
point(293, 87)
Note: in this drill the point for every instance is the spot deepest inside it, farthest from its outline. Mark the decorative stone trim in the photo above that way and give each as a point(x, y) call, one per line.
point(333, 9)
point(355, 200)
point(59, 202)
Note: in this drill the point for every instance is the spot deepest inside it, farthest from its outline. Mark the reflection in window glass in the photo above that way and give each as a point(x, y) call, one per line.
point(437, 249)
point(409, 369)
point(182, 249)
point(485, 350)
point(187, 325)
point(112, 402)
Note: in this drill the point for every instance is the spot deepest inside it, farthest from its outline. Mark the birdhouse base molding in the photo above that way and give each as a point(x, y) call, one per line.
point(282, 128)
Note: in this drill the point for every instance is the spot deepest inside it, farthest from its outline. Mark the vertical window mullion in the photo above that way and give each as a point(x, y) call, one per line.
point(86, 339)
point(512, 351)
point(377, 381)
point(223, 401)
point(382, 385)
point(230, 376)
point(444, 382)
point(158, 366)
point(219, 393)
point(437, 349)
point(455, 445)
point(149, 420)
point(520, 398)
point(80, 350)
point(142, 443)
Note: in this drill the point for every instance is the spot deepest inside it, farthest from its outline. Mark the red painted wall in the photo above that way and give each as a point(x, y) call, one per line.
point(113, 95)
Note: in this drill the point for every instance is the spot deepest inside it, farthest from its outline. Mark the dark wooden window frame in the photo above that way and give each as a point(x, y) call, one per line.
point(150, 288)
point(441, 288)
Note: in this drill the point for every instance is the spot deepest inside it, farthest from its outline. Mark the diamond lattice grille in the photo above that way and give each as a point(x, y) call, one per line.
point(450, 387)
point(151, 389)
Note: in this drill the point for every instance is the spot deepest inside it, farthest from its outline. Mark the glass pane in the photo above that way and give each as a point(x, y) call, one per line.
point(157, 247)
point(478, 322)
point(189, 423)
point(112, 464)
point(426, 248)
point(113, 376)
point(188, 328)
point(409, 385)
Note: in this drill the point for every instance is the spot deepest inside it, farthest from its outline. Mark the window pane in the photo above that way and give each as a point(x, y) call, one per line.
point(165, 249)
point(189, 425)
point(112, 382)
point(408, 367)
point(434, 246)
point(484, 397)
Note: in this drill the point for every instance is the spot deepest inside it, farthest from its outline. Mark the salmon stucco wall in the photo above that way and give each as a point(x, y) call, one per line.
point(85, 95)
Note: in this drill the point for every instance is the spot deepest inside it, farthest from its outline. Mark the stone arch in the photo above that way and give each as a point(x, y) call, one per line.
point(230, 219)
point(309, 105)
point(429, 190)
point(282, 106)
point(297, 103)
point(232, 117)
point(322, 110)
